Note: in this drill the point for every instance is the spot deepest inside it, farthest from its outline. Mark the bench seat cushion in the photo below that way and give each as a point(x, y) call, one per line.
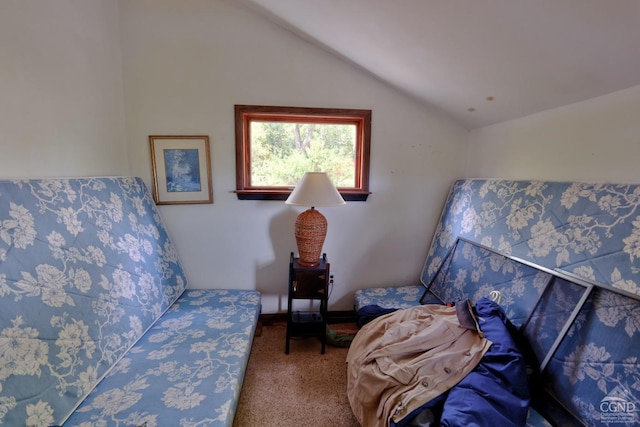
point(390, 297)
point(186, 370)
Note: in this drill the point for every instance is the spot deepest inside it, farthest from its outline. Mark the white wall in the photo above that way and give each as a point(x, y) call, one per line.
point(595, 141)
point(186, 63)
point(61, 104)
point(83, 84)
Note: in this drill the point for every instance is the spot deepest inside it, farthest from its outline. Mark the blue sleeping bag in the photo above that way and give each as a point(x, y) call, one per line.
point(495, 393)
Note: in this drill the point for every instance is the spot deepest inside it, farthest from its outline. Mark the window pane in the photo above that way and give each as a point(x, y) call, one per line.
point(281, 152)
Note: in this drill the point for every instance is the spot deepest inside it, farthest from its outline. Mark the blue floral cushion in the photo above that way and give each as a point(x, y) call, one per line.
point(186, 371)
point(591, 230)
point(390, 297)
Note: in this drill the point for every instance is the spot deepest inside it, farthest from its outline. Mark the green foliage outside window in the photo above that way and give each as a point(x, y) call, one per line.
point(282, 152)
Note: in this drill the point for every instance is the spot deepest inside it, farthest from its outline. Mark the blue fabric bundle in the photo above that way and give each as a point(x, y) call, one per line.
point(496, 392)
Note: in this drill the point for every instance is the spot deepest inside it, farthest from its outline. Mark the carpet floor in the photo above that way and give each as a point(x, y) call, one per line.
point(299, 389)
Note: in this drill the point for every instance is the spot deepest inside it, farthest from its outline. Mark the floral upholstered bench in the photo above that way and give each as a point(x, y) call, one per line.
point(561, 259)
point(97, 327)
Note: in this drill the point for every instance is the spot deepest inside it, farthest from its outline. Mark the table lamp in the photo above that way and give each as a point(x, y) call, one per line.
point(314, 189)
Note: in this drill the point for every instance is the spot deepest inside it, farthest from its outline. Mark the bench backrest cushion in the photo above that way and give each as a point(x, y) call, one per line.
point(86, 267)
point(470, 271)
point(591, 230)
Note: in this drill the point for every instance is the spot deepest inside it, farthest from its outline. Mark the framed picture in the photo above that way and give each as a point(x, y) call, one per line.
point(181, 168)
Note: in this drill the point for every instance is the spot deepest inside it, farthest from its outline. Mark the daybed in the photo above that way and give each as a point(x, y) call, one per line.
point(558, 263)
point(97, 327)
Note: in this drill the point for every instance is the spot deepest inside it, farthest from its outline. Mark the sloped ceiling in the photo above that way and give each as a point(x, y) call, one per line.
point(481, 61)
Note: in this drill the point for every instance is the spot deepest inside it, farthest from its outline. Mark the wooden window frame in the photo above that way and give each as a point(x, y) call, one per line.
point(245, 114)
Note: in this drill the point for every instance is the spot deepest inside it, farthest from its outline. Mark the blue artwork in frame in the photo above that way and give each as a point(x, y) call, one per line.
point(183, 170)
point(181, 167)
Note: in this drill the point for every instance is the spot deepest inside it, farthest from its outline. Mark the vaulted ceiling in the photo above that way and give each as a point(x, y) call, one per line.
point(480, 61)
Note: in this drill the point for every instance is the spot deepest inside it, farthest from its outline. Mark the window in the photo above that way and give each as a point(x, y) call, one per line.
point(275, 146)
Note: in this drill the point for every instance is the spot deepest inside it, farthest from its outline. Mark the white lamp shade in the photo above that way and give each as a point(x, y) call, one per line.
point(315, 189)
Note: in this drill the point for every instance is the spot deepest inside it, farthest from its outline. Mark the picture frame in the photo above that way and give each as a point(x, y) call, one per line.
point(181, 169)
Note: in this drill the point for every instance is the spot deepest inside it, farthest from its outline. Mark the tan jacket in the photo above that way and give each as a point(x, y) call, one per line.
point(402, 360)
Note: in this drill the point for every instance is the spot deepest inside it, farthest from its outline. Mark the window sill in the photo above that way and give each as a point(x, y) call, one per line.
point(347, 195)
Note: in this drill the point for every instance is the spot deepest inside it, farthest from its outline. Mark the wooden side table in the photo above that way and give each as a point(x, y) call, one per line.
point(308, 283)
